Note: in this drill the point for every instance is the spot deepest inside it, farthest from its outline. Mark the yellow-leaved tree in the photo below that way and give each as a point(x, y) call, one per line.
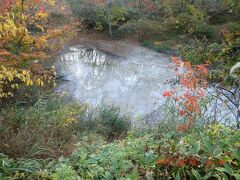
point(25, 40)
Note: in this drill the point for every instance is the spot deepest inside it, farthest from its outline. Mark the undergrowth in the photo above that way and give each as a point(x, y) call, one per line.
point(212, 153)
point(50, 127)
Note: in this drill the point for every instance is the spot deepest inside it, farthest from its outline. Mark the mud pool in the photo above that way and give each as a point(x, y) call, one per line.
point(134, 79)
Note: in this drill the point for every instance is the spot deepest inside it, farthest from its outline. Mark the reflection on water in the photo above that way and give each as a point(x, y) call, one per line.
point(134, 82)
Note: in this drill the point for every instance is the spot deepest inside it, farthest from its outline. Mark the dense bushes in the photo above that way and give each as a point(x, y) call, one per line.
point(214, 152)
point(210, 153)
point(94, 14)
point(191, 22)
point(222, 55)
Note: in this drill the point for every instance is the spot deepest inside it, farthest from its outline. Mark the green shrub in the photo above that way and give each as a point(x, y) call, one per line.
point(191, 22)
point(25, 168)
point(64, 172)
point(225, 54)
point(112, 124)
point(118, 160)
point(222, 55)
point(195, 52)
point(96, 14)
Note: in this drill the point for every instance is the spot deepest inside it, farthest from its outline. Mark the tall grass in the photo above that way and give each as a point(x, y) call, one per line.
point(51, 127)
point(111, 123)
point(47, 129)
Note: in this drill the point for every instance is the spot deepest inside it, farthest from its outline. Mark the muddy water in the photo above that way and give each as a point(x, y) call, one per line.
point(130, 76)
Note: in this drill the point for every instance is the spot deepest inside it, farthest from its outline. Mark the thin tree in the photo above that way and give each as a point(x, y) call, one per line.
point(108, 6)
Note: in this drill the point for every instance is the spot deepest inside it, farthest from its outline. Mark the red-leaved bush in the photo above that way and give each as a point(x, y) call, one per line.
point(187, 98)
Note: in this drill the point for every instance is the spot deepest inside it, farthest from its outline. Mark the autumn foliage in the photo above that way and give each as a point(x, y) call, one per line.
point(25, 40)
point(193, 82)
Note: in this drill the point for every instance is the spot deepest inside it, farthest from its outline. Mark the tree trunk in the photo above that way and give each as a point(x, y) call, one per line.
point(140, 9)
point(22, 6)
point(108, 4)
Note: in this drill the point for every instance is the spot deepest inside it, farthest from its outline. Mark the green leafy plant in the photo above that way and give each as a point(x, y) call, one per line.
point(211, 153)
point(64, 172)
